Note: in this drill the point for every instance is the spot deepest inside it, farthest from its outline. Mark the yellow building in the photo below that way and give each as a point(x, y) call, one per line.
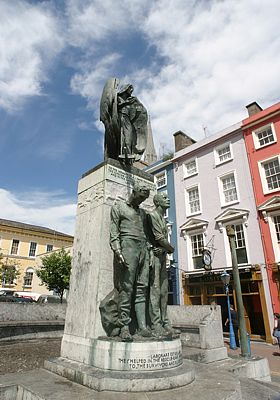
point(20, 243)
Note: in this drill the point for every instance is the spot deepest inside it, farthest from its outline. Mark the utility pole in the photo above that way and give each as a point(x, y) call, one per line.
point(245, 351)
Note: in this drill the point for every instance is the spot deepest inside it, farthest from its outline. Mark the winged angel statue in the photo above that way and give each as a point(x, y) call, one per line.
point(125, 120)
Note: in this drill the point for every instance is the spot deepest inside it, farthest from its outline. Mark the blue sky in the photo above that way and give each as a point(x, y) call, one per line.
point(193, 64)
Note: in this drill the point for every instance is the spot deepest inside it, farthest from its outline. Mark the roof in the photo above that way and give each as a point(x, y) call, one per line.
point(267, 112)
point(210, 139)
point(21, 225)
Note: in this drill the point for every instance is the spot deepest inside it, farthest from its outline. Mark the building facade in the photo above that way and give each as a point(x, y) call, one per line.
point(262, 137)
point(213, 189)
point(20, 243)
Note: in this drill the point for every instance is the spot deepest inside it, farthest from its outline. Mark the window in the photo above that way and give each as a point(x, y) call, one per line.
point(264, 136)
point(49, 248)
point(28, 277)
point(193, 206)
point(32, 249)
point(270, 173)
point(161, 180)
point(223, 153)
point(190, 168)
point(15, 246)
point(276, 221)
point(197, 243)
point(228, 189)
point(240, 244)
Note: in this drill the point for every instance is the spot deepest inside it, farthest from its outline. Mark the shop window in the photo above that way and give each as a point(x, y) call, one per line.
point(15, 247)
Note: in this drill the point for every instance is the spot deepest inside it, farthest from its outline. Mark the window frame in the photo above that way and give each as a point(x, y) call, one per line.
point(28, 270)
point(260, 129)
point(274, 239)
point(263, 177)
point(190, 257)
point(165, 178)
point(186, 175)
point(216, 155)
point(18, 248)
point(48, 251)
point(187, 203)
point(36, 248)
point(221, 189)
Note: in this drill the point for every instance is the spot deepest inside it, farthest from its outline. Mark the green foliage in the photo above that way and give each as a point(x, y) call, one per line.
point(8, 270)
point(55, 271)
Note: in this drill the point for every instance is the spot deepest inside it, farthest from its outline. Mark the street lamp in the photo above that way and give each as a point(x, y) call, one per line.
point(225, 277)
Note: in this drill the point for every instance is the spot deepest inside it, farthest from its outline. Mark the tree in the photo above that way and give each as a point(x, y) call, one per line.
point(55, 271)
point(8, 270)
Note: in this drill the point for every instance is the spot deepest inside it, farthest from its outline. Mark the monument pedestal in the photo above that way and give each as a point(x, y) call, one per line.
point(87, 357)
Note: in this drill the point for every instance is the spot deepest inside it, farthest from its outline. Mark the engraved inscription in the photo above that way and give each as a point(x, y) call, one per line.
point(155, 361)
point(117, 175)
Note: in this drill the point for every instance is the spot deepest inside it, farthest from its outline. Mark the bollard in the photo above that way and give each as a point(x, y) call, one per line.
point(249, 344)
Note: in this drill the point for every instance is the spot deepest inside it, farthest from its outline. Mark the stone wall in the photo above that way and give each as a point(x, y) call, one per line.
point(31, 312)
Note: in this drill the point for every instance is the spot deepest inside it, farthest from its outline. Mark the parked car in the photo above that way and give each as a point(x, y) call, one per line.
point(17, 299)
point(49, 298)
point(7, 292)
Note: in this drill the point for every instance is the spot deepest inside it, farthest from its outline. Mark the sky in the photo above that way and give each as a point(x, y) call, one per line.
point(194, 64)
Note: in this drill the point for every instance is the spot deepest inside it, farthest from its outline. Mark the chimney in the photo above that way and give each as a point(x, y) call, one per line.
point(253, 108)
point(182, 140)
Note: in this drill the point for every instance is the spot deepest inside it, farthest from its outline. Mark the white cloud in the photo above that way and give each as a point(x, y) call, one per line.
point(49, 209)
point(212, 58)
point(30, 39)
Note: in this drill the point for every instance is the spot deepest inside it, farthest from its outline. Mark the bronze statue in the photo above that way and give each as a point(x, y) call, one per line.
point(158, 236)
point(128, 240)
point(126, 122)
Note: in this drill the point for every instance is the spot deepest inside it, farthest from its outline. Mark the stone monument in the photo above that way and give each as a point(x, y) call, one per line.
point(117, 335)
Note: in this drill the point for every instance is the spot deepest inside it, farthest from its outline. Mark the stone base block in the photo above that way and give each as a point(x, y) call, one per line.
point(254, 368)
point(136, 356)
point(124, 381)
point(205, 355)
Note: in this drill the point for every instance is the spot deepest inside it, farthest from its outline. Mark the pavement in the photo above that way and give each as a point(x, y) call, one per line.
point(265, 350)
point(21, 364)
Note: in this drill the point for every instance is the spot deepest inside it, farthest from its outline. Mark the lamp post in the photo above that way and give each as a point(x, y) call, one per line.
point(225, 277)
point(245, 350)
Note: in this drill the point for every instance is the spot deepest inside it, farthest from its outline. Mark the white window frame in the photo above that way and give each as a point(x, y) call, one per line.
point(221, 190)
point(48, 244)
point(185, 171)
point(262, 174)
point(216, 155)
point(274, 239)
point(226, 241)
point(256, 138)
point(189, 248)
point(18, 249)
point(187, 204)
point(156, 179)
point(29, 269)
point(30, 249)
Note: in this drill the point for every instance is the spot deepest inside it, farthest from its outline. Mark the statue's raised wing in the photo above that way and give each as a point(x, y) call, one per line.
point(109, 117)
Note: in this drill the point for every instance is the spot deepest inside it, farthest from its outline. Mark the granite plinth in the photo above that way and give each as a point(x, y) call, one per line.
point(136, 356)
point(122, 381)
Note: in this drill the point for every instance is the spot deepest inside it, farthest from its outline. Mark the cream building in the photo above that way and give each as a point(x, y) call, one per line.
point(20, 244)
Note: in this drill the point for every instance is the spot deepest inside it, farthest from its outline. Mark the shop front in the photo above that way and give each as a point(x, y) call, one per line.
point(207, 288)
